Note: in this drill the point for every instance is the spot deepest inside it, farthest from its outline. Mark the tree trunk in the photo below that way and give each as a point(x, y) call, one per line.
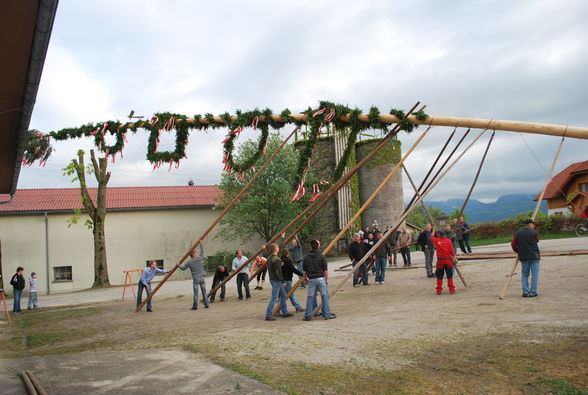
point(100, 264)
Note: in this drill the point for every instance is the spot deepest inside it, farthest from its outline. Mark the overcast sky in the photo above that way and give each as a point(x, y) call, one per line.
point(523, 60)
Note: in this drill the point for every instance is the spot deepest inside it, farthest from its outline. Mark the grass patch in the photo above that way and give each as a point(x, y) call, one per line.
point(475, 242)
point(556, 386)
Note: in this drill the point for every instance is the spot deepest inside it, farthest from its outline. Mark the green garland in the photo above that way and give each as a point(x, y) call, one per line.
point(327, 112)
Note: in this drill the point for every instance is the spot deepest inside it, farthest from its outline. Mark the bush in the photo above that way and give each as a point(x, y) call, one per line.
point(508, 227)
point(225, 258)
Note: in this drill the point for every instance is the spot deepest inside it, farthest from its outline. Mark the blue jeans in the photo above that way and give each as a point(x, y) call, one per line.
point(32, 300)
point(320, 285)
point(140, 295)
point(277, 291)
point(293, 298)
point(531, 267)
point(380, 269)
point(300, 269)
point(364, 275)
point(17, 295)
point(243, 281)
point(200, 283)
point(466, 242)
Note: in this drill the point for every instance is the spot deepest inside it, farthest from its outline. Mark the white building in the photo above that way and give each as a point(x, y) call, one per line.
point(142, 224)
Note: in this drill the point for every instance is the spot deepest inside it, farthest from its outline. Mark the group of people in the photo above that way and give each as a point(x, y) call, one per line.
point(18, 283)
point(279, 264)
point(458, 232)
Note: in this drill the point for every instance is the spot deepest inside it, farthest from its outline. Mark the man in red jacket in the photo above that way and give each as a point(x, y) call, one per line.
point(445, 259)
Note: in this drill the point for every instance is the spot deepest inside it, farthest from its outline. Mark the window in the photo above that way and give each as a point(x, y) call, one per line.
point(159, 263)
point(62, 273)
point(583, 187)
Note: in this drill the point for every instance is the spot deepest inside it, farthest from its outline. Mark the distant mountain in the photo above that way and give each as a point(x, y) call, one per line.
point(505, 207)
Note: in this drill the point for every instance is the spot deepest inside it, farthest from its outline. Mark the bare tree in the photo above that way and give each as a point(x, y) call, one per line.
point(95, 210)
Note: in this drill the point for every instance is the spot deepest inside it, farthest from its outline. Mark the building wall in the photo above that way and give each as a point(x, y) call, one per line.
point(388, 206)
point(132, 238)
point(559, 203)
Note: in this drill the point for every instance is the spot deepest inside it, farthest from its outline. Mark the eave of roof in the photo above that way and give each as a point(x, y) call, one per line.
point(26, 40)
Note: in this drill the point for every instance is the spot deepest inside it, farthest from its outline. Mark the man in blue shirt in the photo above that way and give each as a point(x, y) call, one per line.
point(145, 282)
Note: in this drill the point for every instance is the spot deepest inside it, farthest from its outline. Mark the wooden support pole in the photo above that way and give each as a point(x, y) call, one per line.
point(216, 221)
point(3, 297)
point(393, 249)
point(465, 202)
point(400, 220)
point(36, 383)
point(27, 383)
point(321, 200)
point(416, 193)
point(547, 180)
point(360, 211)
point(414, 196)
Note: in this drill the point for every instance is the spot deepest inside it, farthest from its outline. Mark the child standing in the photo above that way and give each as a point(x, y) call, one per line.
point(33, 292)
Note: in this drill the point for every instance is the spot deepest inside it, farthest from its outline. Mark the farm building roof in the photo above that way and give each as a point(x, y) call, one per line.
point(561, 180)
point(117, 198)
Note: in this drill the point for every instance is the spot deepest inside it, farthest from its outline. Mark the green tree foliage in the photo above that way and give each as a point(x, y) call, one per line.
point(265, 208)
point(419, 217)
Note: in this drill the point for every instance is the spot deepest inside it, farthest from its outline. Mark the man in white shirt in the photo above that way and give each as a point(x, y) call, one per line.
point(243, 275)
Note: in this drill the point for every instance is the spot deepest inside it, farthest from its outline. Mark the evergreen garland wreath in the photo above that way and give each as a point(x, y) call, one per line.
point(38, 144)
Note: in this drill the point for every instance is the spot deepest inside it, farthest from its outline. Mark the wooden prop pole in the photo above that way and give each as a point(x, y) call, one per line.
point(442, 166)
point(416, 193)
point(393, 249)
point(465, 202)
point(577, 132)
point(414, 196)
point(325, 196)
point(547, 180)
point(400, 220)
point(216, 221)
point(360, 211)
point(2, 296)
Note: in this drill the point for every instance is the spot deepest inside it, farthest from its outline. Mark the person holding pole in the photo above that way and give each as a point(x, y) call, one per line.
point(243, 275)
point(526, 245)
point(428, 248)
point(220, 274)
point(274, 265)
point(356, 252)
point(381, 259)
point(465, 234)
point(445, 260)
point(297, 255)
point(288, 271)
point(316, 271)
point(145, 283)
point(404, 240)
point(196, 265)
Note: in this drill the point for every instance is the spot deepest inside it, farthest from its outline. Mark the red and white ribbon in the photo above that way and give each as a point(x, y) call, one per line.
point(319, 112)
point(316, 192)
point(153, 120)
point(255, 122)
point(169, 125)
point(330, 115)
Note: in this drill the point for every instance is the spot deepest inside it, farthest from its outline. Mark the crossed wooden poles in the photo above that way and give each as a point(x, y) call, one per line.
point(318, 204)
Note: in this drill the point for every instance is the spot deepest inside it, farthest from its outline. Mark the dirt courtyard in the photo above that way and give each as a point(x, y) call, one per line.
point(399, 337)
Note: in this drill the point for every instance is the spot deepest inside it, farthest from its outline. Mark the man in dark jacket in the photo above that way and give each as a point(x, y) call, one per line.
point(196, 265)
point(428, 248)
point(18, 283)
point(274, 268)
point(288, 271)
point(525, 244)
point(297, 255)
point(220, 274)
point(356, 252)
point(316, 271)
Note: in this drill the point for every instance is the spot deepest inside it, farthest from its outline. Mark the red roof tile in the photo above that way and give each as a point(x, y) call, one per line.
point(67, 199)
point(561, 180)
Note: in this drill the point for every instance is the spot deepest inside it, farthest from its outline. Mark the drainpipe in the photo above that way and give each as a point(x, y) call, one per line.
point(47, 252)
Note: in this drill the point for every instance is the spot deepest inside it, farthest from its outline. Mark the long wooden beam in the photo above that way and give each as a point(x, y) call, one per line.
point(577, 132)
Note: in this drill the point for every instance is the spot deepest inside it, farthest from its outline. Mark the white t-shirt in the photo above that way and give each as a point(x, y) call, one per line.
point(238, 262)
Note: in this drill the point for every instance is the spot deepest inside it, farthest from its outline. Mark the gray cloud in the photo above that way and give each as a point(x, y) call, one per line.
point(522, 60)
